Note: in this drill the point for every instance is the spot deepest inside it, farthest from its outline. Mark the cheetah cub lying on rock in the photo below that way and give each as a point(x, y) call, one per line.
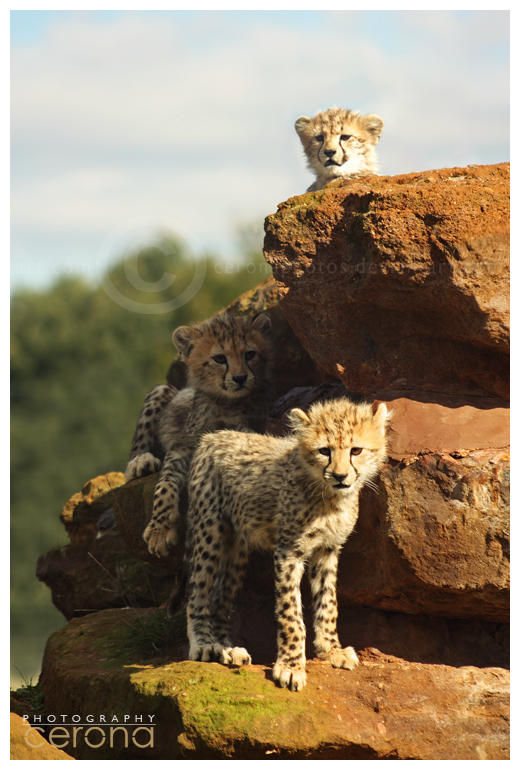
point(297, 496)
point(228, 362)
point(339, 143)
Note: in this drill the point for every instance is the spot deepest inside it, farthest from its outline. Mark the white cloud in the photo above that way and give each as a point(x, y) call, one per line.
point(190, 120)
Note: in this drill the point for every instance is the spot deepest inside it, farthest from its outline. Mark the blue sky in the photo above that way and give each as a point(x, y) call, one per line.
point(125, 123)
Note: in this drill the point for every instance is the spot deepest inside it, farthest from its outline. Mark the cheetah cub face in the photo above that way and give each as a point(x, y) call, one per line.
point(339, 143)
point(342, 444)
point(228, 356)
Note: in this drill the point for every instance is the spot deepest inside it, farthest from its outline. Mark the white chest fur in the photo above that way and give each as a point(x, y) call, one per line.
point(330, 529)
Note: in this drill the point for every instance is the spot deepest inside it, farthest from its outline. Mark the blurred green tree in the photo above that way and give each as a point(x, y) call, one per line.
point(82, 359)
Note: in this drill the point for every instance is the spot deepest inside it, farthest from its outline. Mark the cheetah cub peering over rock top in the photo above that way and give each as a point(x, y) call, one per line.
point(297, 496)
point(228, 362)
point(339, 143)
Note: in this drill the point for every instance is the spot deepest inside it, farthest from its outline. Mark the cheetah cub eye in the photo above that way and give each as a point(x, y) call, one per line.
point(220, 359)
point(250, 354)
point(356, 450)
point(325, 450)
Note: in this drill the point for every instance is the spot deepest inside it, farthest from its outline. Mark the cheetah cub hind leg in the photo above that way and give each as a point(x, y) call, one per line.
point(229, 656)
point(142, 465)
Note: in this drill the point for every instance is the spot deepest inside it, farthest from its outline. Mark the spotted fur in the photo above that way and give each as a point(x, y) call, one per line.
point(296, 496)
point(228, 366)
point(339, 143)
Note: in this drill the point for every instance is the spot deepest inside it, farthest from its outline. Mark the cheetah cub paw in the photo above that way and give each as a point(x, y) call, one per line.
point(344, 658)
point(229, 656)
point(142, 465)
point(294, 679)
point(160, 537)
point(235, 656)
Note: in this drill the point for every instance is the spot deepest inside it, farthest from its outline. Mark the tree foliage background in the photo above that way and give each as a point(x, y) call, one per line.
point(81, 366)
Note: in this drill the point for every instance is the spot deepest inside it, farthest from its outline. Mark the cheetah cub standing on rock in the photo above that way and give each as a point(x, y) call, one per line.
point(297, 496)
point(339, 143)
point(228, 363)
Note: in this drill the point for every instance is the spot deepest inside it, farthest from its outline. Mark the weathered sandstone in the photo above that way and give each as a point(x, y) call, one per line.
point(401, 282)
point(388, 708)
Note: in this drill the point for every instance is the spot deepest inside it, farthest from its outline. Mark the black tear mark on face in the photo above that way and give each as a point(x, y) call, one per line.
point(326, 452)
point(224, 376)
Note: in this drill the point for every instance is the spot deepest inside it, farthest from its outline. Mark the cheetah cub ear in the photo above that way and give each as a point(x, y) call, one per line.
point(261, 323)
point(374, 125)
point(298, 418)
point(302, 124)
point(183, 338)
point(381, 413)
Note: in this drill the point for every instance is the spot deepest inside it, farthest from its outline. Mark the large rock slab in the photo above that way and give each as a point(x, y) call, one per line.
point(388, 708)
point(422, 427)
point(436, 537)
point(401, 282)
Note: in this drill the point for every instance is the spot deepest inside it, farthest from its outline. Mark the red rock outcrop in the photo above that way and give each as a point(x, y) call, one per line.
point(387, 708)
point(98, 569)
point(401, 282)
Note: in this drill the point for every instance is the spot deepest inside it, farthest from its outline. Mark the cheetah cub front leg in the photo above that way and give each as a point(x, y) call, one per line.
point(289, 669)
point(142, 465)
point(220, 653)
point(142, 459)
point(162, 531)
point(323, 568)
